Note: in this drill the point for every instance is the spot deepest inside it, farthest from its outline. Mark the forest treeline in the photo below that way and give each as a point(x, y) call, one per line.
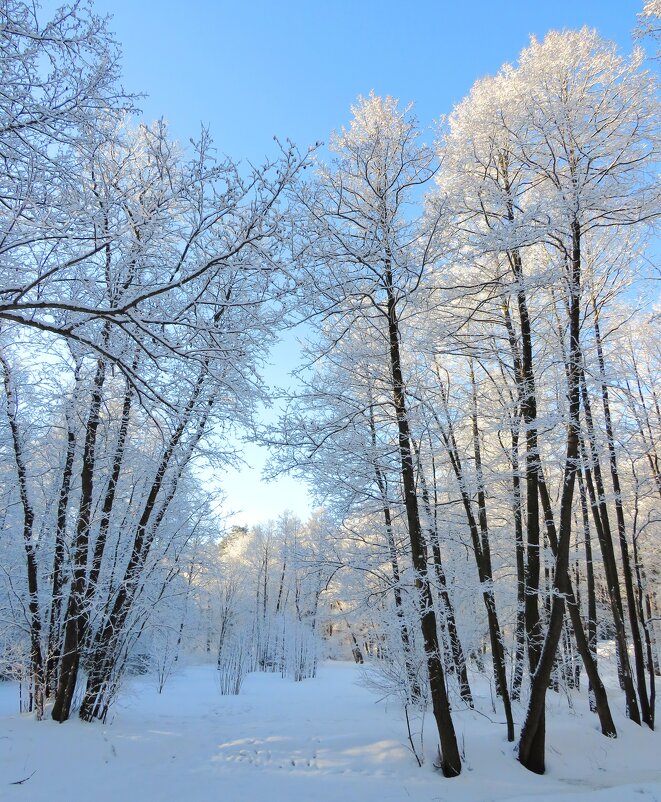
point(477, 411)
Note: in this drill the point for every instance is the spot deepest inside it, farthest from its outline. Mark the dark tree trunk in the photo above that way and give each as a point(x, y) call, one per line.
point(57, 588)
point(589, 577)
point(456, 648)
point(450, 759)
point(520, 631)
point(109, 497)
point(54, 629)
point(533, 733)
point(589, 659)
point(74, 628)
point(413, 686)
point(483, 566)
point(525, 378)
point(517, 500)
point(602, 527)
point(639, 660)
point(495, 633)
point(34, 615)
point(528, 403)
point(641, 612)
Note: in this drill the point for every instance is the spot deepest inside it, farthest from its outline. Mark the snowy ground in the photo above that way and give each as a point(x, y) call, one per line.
point(323, 740)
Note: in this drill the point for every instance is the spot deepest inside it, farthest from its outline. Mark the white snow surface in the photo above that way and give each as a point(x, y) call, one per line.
point(328, 739)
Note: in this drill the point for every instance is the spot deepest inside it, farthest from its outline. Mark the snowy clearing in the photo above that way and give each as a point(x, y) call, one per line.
point(325, 739)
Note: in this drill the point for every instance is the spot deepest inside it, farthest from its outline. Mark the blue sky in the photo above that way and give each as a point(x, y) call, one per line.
point(291, 68)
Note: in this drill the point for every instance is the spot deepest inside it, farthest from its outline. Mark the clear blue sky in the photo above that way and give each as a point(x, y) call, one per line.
point(292, 68)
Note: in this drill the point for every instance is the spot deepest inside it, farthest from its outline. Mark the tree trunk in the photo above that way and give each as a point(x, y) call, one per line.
point(75, 625)
point(458, 657)
point(34, 616)
point(639, 660)
point(413, 690)
point(533, 733)
point(483, 566)
point(528, 403)
point(54, 629)
point(602, 526)
point(520, 631)
point(589, 577)
point(587, 656)
point(497, 646)
point(641, 612)
point(450, 759)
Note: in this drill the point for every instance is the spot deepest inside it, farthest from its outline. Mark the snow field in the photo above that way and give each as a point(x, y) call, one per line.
point(323, 740)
